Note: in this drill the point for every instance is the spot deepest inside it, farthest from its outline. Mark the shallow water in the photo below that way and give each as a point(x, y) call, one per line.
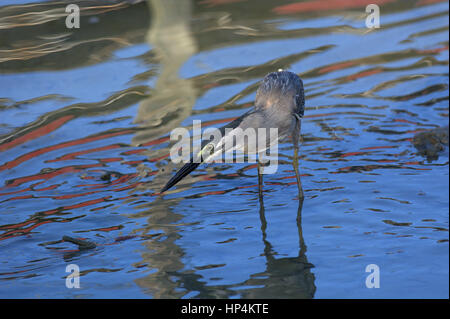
point(86, 116)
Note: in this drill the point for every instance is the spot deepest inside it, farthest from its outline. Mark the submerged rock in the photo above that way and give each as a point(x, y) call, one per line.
point(430, 143)
point(82, 244)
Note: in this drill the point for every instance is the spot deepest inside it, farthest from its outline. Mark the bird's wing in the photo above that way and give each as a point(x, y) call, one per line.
point(205, 152)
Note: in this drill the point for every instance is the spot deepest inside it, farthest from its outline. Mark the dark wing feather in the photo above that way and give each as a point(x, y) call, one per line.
point(190, 166)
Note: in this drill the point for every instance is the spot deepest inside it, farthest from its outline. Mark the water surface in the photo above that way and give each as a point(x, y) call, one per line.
point(86, 116)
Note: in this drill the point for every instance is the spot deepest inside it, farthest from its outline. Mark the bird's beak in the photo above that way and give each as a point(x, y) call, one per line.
point(188, 167)
point(183, 172)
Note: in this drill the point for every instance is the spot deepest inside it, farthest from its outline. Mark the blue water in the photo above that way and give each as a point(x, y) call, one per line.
point(84, 143)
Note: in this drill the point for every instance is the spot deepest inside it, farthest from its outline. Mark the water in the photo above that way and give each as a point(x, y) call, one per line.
point(86, 116)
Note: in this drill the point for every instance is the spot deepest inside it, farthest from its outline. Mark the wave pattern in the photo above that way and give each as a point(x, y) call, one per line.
point(85, 140)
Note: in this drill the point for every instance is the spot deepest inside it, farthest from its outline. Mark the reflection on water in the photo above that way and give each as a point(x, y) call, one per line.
point(283, 277)
point(173, 97)
point(84, 146)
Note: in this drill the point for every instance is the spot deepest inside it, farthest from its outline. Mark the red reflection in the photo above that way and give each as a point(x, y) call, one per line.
point(323, 5)
point(44, 150)
point(40, 131)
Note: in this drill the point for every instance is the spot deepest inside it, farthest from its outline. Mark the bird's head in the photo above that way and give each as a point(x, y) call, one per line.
point(281, 91)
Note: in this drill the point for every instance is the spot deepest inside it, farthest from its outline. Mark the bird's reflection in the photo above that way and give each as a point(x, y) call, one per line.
point(288, 277)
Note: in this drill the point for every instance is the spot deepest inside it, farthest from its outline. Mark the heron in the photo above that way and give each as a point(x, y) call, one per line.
point(279, 103)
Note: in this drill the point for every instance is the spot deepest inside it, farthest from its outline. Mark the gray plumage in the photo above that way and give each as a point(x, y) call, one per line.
point(279, 103)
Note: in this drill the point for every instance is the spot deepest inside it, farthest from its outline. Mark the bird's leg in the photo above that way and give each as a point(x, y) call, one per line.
point(295, 138)
point(260, 180)
point(297, 174)
point(302, 244)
